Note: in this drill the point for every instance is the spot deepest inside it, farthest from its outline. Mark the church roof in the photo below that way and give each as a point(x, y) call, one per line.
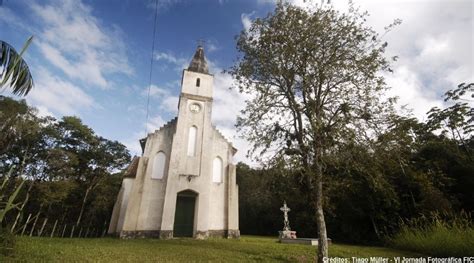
point(234, 150)
point(131, 171)
point(198, 63)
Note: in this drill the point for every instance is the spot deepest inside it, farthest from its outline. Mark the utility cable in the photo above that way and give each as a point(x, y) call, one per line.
point(151, 68)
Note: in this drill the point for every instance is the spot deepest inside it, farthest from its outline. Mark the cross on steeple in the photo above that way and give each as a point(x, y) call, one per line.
point(285, 209)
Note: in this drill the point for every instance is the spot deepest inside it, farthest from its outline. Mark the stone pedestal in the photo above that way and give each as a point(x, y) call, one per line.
point(287, 234)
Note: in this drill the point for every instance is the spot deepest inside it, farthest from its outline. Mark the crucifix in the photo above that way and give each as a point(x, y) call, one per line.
point(285, 209)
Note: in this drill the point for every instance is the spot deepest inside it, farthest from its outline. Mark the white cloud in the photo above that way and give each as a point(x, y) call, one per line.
point(170, 104)
point(43, 111)
point(74, 41)
point(246, 20)
point(211, 45)
point(53, 94)
point(9, 18)
point(133, 142)
point(155, 123)
point(411, 92)
point(167, 101)
point(177, 62)
point(434, 44)
point(227, 105)
point(156, 91)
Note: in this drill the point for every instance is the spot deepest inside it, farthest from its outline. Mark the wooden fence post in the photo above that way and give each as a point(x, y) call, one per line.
point(42, 227)
point(64, 230)
point(19, 214)
point(72, 231)
point(34, 224)
point(87, 232)
point(54, 228)
point(105, 229)
point(24, 227)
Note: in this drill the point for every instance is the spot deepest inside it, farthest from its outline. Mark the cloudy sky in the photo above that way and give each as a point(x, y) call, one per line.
point(92, 58)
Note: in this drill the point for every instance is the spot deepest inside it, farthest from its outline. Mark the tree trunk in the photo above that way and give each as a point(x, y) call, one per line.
point(322, 234)
point(83, 206)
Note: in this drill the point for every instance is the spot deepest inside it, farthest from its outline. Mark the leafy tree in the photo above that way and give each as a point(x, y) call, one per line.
point(24, 137)
point(92, 158)
point(14, 71)
point(314, 78)
point(457, 120)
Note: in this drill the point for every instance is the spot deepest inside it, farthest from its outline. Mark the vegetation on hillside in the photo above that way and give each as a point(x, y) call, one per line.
point(70, 174)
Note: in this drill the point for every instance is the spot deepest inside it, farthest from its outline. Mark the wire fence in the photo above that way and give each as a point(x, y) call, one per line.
point(38, 226)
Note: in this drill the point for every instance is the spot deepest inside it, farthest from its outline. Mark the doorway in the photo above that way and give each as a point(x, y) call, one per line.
point(184, 214)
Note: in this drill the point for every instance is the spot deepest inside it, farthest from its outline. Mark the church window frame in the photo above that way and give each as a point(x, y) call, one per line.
point(217, 170)
point(198, 82)
point(192, 141)
point(159, 165)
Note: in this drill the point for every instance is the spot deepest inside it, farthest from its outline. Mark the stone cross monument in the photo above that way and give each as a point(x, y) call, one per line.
point(286, 233)
point(285, 209)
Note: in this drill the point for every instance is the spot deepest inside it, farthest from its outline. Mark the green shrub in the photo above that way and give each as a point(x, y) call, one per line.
point(437, 236)
point(7, 241)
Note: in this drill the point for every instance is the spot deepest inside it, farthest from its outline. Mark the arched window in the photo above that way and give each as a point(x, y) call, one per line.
point(159, 165)
point(198, 82)
point(192, 136)
point(217, 170)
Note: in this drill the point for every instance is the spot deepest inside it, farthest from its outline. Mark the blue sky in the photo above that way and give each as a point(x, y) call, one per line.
point(92, 58)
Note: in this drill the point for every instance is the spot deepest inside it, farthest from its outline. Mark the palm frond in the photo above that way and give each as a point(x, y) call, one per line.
point(14, 71)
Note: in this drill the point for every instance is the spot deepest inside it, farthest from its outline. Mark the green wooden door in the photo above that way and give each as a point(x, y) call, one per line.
point(184, 216)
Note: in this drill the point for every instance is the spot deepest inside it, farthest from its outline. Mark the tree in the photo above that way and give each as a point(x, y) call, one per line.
point(24, 137)
point(92, 158)
point(457, 120)
point(313, 75)
point(14, 71)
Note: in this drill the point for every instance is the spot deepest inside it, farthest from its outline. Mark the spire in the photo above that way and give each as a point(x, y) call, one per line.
point(199, 64)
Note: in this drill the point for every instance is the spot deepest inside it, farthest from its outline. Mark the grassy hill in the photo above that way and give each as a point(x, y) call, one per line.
point(248, 248)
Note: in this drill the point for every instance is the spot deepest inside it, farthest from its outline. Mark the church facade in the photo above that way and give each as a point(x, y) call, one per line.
point(184, 184)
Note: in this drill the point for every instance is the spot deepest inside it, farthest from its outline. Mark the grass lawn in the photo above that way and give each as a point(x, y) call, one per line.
point(248, 248)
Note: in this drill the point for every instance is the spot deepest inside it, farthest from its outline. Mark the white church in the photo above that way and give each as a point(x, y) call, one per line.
point(184, 184)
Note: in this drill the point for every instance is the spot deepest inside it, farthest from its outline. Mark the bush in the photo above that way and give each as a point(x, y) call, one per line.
point(437, 236)
point(7, 241)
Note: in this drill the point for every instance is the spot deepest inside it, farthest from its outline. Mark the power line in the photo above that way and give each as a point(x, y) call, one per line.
point(151, 68)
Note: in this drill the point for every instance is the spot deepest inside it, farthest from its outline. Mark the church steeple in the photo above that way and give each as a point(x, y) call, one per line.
point(197, 81)
point(198, 63)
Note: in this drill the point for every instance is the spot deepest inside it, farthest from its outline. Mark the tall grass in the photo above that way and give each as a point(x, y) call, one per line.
point(437, 236)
